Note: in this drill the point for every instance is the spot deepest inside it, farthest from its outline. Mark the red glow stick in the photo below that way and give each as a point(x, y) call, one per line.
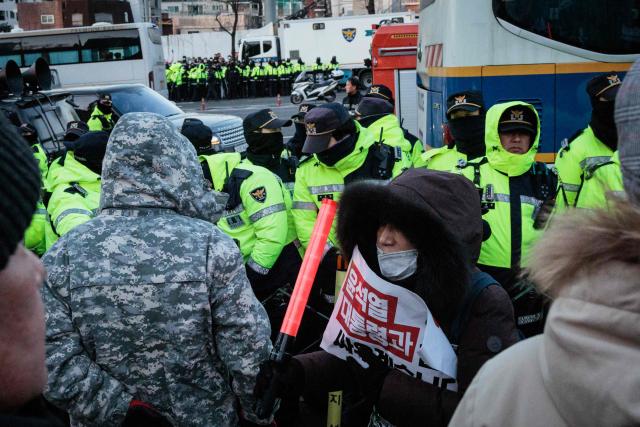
point(309, 268)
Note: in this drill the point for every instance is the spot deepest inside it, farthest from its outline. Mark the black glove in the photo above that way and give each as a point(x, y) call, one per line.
point(287, 377)
point(371, 379)
point(142, 414)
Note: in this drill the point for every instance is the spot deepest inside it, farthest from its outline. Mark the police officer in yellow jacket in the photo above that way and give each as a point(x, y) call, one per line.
point(383, 92)
point(513, 188)
point(466, 119)
point(342, 152)
point(377, 116)
point(101, 116)
point(592, 145)
point(257, 214)
point(263, 133)
point(74, 180)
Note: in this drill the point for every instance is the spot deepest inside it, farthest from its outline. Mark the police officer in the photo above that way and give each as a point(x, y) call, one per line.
point(74, 180)
point(101, 116)
point(377, 116)
point(383, 92)
point(256, 216)
point(35, 235)
point(592, 145)
point(513, 188)
point(263, 133)
point(295, 143)
point(466, 118)
point(353, 98)
point(341, 151)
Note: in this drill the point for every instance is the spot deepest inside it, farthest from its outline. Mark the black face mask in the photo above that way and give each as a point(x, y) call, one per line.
point(265, 143)
point(468, 133)
point(603, 123)
point(369, 120)
point(105, 109)
point(342, 149)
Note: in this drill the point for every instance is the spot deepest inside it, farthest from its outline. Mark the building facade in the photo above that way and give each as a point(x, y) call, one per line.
point(8, 15)
point(39, 15)
point(196, 16)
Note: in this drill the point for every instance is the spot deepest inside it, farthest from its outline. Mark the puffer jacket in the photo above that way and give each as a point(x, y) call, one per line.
point(582, 371)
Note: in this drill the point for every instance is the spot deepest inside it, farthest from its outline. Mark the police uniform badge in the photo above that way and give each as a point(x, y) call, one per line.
point(259, 194)
point(349, 34)
point(272, 115)
point(374, 89)
point(460, 99)
point(517, 116)
point(311, 129)
point(613, 80)
point(304, 109)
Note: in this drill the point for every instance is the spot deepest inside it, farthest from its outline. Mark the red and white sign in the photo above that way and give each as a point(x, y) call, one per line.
point(394, 322)
point(433, 55)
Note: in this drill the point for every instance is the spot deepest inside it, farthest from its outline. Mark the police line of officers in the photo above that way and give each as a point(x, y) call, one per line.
point(276, 189)
point(214, 78)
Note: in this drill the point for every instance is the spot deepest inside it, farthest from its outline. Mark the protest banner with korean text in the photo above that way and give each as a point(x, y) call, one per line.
point(392, 321)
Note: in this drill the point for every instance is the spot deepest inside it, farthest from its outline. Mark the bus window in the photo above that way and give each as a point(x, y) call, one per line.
point(57, 50)
point(266, 46)
point(603, 26)
point(251, 49)
point(10, 49)
point(110, 46)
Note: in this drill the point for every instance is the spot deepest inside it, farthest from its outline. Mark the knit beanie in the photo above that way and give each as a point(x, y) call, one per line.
point(627, 115)
point(20, 189)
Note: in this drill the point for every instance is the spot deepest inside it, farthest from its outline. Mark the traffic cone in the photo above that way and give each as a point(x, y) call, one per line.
point(278, 100)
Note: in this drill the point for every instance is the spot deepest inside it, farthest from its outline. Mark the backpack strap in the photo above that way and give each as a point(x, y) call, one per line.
point(479, 282)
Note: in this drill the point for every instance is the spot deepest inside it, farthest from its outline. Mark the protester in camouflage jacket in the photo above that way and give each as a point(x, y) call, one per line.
point(149, 300)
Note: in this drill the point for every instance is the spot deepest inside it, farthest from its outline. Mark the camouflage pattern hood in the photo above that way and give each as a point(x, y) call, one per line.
point(149, 164)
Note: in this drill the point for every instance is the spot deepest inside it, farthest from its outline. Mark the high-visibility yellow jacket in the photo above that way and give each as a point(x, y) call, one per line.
point(316, 181)
point(258, 216)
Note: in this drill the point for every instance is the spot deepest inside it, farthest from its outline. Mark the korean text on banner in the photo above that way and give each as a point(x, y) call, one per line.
point(394, 322)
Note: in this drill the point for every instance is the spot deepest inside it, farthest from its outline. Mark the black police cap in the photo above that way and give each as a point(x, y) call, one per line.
point(265, 118)
point(320, 123)
point(470, 100)
point(518, 118)
point(199, 135)
point(382, 92)
point(605, 85)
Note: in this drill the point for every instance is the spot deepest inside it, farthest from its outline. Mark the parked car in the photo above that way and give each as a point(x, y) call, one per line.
point(49, 114)
point(128, 98)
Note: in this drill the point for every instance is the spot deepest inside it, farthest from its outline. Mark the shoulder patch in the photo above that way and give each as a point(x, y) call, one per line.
point(259, 194)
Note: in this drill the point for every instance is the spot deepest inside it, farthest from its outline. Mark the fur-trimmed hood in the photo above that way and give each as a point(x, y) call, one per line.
point(589, 262)
point(438, 212)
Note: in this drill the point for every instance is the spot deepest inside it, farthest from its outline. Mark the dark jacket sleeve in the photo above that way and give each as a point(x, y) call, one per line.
point(323, 372)
point(406, 401)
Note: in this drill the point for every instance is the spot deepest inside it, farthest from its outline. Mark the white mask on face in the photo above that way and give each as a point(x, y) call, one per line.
point(397, 265)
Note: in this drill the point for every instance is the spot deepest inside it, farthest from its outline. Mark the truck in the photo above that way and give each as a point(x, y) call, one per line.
point(348, 38)
point(393, 59)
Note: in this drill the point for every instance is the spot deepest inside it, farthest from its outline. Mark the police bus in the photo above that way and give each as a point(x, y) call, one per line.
point(100, 54)
point(542, 52)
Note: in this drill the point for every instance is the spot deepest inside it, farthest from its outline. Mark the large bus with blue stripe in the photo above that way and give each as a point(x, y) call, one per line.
point(539, 51)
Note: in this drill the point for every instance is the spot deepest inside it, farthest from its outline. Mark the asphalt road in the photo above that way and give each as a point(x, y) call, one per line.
point(244, 107)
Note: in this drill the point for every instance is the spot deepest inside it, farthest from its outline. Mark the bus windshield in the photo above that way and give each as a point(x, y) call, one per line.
point(603, 26)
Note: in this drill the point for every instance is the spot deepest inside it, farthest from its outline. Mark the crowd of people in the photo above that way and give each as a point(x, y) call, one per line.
point(169, 267)
point(200, 79)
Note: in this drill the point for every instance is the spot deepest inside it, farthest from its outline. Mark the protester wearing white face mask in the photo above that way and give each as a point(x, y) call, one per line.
point(421, 233)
